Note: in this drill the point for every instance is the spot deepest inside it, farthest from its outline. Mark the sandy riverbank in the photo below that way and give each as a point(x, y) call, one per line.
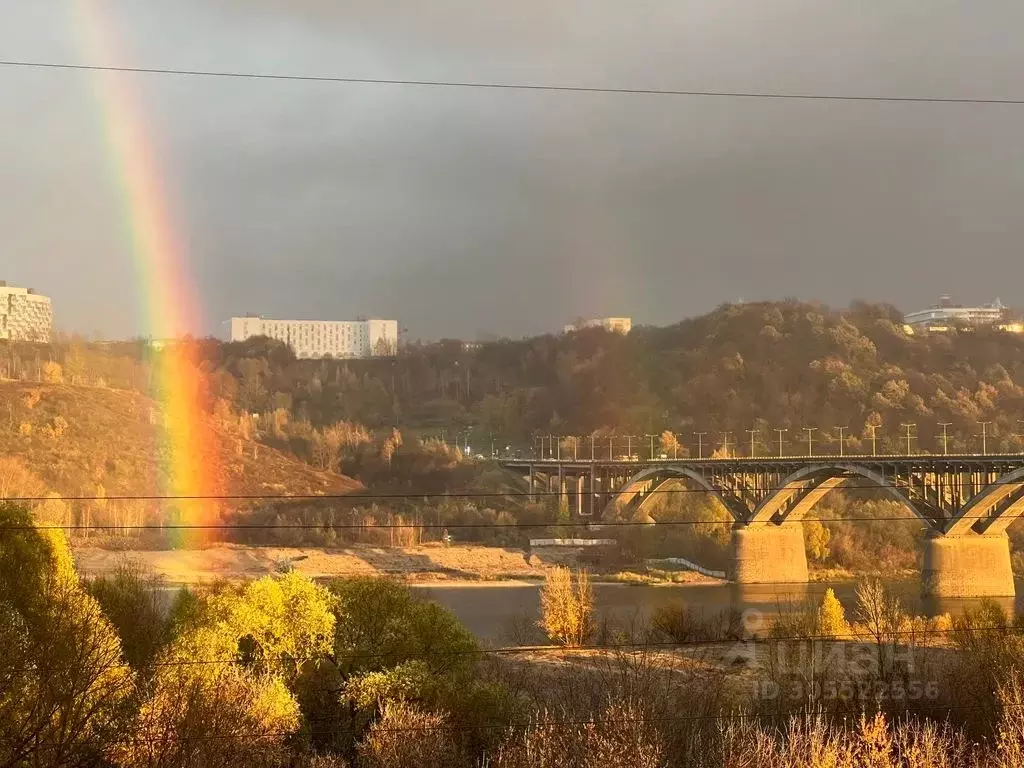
point(232, 562)
point(427, 563)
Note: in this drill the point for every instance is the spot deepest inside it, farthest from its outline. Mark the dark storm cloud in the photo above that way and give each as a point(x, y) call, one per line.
point(468, 211)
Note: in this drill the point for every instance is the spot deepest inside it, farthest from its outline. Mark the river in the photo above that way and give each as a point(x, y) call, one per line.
point(507, 613)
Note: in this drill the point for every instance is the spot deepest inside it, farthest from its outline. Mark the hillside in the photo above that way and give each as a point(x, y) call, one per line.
point(87, 441)
point(747, 366)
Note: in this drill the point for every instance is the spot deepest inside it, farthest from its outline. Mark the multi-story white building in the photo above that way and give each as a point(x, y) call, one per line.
point(24, 314)
point(946, 314)
point(323, 338)
point(621, 325)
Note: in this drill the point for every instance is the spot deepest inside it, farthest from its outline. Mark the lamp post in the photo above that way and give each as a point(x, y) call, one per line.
point(842, 440)
point(984, 437)
point(700, 443)
point(726, 437)
point(629, 447)
point(874, 439)
point(909, 428)
point(651, 455)
point(753, 437)
point(781, 433)
point(810, 439)
point(945, 436)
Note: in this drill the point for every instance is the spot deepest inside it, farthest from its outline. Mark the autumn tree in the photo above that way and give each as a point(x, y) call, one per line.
point(64, 684)
point(669, 444)
point(53, 373)
point(831, 618)
point(567, 606)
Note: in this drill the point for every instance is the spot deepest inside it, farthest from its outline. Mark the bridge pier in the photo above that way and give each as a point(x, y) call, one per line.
point(766, 553)
point(968, 565)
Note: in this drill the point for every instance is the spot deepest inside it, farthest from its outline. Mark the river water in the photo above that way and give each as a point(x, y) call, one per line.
point(507, 613)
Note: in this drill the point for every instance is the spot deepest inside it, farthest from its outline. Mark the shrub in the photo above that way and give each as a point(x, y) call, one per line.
point(406, 736)
point(682, 624)
point(567, 607)
point(621, 737)
point(130, 601)
point(831, 620)
point(216, 715)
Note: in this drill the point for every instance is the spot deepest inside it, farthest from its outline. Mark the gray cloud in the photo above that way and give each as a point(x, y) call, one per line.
point(467, 211)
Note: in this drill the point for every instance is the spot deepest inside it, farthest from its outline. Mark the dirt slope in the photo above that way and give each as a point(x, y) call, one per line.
point(80, 439)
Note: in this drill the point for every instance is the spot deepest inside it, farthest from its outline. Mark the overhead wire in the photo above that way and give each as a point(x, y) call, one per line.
point(357, 497)
point(508, 86)
point(888, 637)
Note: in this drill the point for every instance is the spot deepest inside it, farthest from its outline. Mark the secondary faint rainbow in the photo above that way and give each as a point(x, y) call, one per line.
point(188, 454)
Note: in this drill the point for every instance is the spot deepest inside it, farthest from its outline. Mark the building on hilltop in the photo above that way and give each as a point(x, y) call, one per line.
point(621, 325)
point(946, 315)
point(323, 338)
point(24, 314)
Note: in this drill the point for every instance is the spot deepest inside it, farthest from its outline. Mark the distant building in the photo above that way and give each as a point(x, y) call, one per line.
point(621, 325)
point(323, 338)
point(24, 314)
point(946, 315)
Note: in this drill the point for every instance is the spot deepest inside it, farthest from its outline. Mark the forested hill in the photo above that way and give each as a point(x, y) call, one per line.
point(756, 365)
point(746, 366)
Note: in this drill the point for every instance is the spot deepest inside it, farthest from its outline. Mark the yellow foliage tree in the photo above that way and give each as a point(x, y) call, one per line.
point(271, 624)
point(53, 373)
point(212, 715)
point(831, 618)
point(567, 606)
point(817, 537)
point(669, 444)
point(63, 683)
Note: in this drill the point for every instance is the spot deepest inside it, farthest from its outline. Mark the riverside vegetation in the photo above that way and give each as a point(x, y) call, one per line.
point(392, 425)
point(287, 672)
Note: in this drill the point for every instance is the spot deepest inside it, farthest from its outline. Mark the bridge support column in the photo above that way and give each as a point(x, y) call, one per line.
point(765, 553)
point(971, 565)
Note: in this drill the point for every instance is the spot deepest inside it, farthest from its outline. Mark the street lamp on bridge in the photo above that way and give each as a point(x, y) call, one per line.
point(700, 443)
point(842, 440)
point(810, 439)
point(909, 428)
point(945, 436)
point(874, 438)
point(753, 437)
point(781, 433)
point(984, 436)
point(726, 436)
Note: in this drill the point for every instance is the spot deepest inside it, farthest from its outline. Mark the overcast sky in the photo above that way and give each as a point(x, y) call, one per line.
point(465, 212)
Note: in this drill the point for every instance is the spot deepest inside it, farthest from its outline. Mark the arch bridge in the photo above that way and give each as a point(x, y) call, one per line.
point(965, 503)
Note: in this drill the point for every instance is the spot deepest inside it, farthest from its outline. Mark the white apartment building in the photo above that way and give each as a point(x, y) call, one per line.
point(621, 325)
point(323, 338)
point(24, 314)
point(945, 314)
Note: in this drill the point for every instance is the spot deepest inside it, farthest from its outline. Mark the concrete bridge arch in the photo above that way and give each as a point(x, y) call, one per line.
point(644, 486)
point(992, 509)
point(801, 491)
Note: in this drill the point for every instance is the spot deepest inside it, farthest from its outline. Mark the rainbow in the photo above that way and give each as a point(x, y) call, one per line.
point(188, 449)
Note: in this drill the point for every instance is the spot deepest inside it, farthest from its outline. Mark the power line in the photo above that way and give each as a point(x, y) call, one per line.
point(778, 95)
point(413, 524)
point(515, 650)
point(451, 495)
point(570, 723)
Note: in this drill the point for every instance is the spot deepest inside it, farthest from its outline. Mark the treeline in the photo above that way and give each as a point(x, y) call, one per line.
point(751, 366)
point(285, 672)
point(757, 366)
